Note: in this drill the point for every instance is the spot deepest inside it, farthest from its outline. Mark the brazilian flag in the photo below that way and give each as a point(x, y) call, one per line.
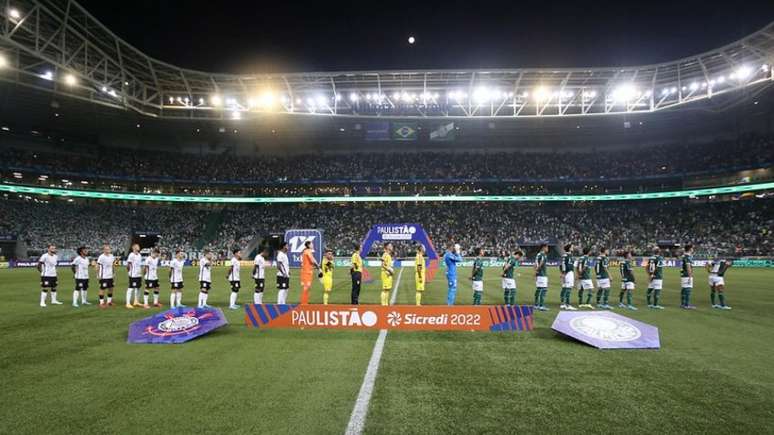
point(404, 130)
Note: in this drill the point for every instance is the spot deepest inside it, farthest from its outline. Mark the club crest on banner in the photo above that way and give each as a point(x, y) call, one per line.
point(177, 325)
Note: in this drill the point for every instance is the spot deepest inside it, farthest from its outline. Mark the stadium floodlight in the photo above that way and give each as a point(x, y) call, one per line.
point(625, 92)
point(236, 115)
point(336, 97)
point(743, 72)
point(216, 100)
point(481, 95)
point(3, 61)
point(113, 93)
point(693, 86)
point(353, 97)
point(171, 100)
point(201, 101)
point(14, 13)
point(310, 101)
point(541, 93)
point(48, 75)
point(721, 79)
point(765, 67)
point(589, 94)
point(321, 100)
point(525, 94)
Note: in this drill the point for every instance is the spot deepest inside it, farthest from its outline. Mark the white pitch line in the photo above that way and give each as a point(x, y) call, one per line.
point(360, 411)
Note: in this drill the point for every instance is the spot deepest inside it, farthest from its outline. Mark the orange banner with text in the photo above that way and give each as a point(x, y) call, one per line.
point(401, 317)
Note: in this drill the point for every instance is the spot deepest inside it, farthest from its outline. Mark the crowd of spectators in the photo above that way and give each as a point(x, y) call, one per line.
point(728, 228)
point(749, 151)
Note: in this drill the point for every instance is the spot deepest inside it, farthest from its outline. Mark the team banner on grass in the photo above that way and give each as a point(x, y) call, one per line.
point(177, 325)
point(606, 330)
point(400, 317)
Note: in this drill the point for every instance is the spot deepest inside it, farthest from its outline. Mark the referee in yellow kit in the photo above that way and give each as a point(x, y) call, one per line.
point(356, 271)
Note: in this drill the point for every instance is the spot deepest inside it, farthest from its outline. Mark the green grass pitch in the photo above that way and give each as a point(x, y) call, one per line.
point(67, 370)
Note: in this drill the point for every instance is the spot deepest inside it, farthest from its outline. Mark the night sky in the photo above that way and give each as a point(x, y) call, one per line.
point(252, 36)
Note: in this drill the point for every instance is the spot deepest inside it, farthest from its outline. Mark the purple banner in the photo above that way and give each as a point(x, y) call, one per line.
point(607, 330)
point(177, 325)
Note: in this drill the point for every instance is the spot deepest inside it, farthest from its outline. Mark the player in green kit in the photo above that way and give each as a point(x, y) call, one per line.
point(603, 279)
point(627, 282)
point(717, 269)
point(586, 284)
point(656, 279)
point(478, 277)
point(509, 280)
point(541, 278)
point(686, 278)
point(567, 272)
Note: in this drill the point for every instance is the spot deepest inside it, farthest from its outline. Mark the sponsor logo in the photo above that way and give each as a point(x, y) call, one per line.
point(296, 243)
point(344, 318)
point(177, 324)
point(605, 328)
point(394, 319)
point(397, 232)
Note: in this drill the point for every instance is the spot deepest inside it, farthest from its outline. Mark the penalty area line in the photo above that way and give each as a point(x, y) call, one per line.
point(360, 411)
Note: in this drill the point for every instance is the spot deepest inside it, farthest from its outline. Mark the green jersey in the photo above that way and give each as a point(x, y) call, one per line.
point(540, 263)
point(627, 275)
point(656, 266)
point(567, 263)
point(514, 264)
point(719, 267)
point(478, 269)
point(584, 264)
point(603, 262)
point(687, 268)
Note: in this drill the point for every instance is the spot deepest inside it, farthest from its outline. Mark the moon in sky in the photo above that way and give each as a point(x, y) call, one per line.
point(411, 40)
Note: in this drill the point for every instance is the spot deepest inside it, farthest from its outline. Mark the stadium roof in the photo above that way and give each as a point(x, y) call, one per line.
point(57, 46)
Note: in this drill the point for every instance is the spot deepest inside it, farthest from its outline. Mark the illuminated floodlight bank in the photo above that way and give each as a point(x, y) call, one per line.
point(143, 197)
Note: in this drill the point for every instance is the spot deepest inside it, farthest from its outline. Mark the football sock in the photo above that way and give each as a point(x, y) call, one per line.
point(656, 296)
point(506, 296)
point(258, 298)
point(722, 298)
point(599, 296)
point(477, 298)
point(172, 297)
point(136, 295)
point(84, 296)
point(179, 298)
point(580, 297)
point(129, 296)
point(688, 296)
point(305, 295)
point(101, 299)
point(649, 296)
point(712, 296)
point(282, 297)
point(542, 297)
point(110, 298)
point(75, 297)
point(385, 297)
point(233, 299)
point(418, 298)
point(43, 297)
point(155, 297)
point(145, 297)
point(325, 298)
point(606, 297)
point(537, 297)
point(628, 297)
point(621, 296)
point(53, 295)
point(589, 295)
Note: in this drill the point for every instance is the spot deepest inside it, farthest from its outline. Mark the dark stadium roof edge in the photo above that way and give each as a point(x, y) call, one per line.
point(58, 47)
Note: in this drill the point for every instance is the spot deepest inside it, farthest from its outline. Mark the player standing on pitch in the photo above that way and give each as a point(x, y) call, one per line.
point(655, 276)
point(717, 270)
point(134, 270)
point(80, 268)
point(326, 273)
point(105, 274)
point(151, 274)
point(387, 273)
point(419, 273)
point(451, 259)
point(356, 273)
point(602, 269)
point(308, 263)
point(686, 278)
point(205, 279)
point(48, 279)
point(477, 276)
point(541, 278)
point(509, 277)
point(259, 275)
point(176, 280)
point(567, 272)
point(234, 279)
point(283, 274)
point(627, 282)
point(586, 284)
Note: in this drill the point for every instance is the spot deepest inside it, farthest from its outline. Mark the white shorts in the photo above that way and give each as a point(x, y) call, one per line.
point(586, 284)
point(478, 286)
point(509, 283)
point(656, 284)
point(716, 280)
point(603, 283)
point(569, 280)
point(627, 286)
point(541, 281)
point(686, 282)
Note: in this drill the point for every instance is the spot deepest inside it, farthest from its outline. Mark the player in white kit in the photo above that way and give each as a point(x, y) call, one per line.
point(176, 280)
point(259, 275)
point(283, 274)
point(105, 275)
point(233, 278)
point(80, 268)
point(205, 279)
point(48, 279)
point(151, 275)
point(134, 269)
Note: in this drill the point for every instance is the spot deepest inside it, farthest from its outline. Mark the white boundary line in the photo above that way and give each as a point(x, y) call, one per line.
point(360, 411)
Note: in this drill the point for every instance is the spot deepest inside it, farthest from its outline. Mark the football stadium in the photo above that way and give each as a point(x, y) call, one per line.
point(429, 233)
